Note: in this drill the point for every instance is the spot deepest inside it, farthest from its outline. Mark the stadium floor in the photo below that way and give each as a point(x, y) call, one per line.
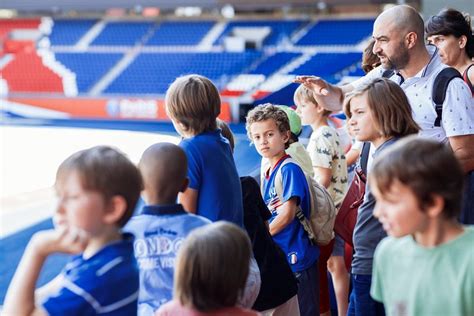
point(33, 149)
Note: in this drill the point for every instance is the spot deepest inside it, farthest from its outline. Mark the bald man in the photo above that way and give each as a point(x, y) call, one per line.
point(162, 224)
point(399, 43)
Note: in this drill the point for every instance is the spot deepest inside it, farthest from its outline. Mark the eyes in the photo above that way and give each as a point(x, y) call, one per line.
point(257, 137)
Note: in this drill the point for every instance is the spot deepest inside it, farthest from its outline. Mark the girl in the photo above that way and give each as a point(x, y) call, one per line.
point(378, 113)
point(211, 271)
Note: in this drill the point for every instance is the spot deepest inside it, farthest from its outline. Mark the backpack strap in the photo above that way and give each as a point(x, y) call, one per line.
point(278, 182)
point(388, 73)
point(440, 87)
point(364, 157)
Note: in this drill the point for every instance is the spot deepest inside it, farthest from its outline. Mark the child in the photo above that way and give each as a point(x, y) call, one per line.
point(97, 190)
point(379, 113)
point(277, 294)
point(269, 129)
point(330, 169)
point(193, 104)
point(161, 225)
point(426, 265)
point(296, 150)
point(211, 272)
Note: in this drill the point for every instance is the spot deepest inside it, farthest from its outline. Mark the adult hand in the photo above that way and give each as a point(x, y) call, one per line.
point(316, 84)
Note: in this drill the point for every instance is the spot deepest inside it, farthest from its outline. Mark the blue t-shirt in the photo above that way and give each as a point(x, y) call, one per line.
point(159, 231)
point(211, 171)
point(293, 240)
point(106, 283)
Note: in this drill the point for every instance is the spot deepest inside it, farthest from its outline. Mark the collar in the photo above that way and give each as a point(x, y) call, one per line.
point(270, 169)
point(432, 63)
point(170, 209)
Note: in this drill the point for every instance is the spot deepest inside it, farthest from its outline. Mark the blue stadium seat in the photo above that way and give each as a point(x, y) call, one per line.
point(327, 64)
point(180, 33)
point(89, 67)
point(280, 29)
point(337, 32)
point(274, 62)
point(69, 32)
point(152, 73)
point(123, 33)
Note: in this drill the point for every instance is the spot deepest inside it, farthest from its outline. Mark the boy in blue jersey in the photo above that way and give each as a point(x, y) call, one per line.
point(97, 191)
point(162, 225)
point(269, 129)
point(193, 104)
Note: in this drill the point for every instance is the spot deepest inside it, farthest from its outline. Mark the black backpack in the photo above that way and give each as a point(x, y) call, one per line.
point(440, 86)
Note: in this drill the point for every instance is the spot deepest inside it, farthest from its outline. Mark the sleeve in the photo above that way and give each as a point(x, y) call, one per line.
point(194, 165)
point(458, 109)
point(374, 73)
point(324, 149)
point(376, 288)
point(294, 182)
point(70, 300)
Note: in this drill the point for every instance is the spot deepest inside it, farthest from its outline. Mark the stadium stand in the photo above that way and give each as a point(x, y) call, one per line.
point(335, 32)
point(123, 33)
point(68, 32)
point(176, 33)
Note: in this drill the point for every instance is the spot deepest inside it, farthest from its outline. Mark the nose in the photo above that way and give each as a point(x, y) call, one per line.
point(352, 121)
point(376, 49)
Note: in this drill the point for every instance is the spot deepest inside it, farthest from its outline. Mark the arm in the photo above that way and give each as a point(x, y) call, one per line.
point(324, 175)
point(20, 298)
point(351, 156)
point(463, 148)
point(286, 214)
point(189, 200)
point(330, 96)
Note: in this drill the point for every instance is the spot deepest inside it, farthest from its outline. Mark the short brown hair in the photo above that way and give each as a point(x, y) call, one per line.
point(105, 170)
point(194, 102)
point(304, 94)
point(389, 106)
point(369, 59)
point(265, 112)
point(427, 167)
point(212, 267)
point(226, 132)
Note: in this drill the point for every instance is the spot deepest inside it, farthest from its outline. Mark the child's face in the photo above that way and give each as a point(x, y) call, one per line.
point(307, 111)
point(268, 139)
point(398, 210)
point(79, 208)
point(362, 122)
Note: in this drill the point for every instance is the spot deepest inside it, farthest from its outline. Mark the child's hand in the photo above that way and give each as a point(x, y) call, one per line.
point(316, 84)
point(62, 239)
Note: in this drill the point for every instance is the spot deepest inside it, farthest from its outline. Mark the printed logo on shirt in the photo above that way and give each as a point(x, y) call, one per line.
point(292, 258)
point(274, 201)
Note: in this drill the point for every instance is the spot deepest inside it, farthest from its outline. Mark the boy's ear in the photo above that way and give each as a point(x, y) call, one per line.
point(286, 136)
point(116, 207)
point(437, 206)
point(184, 185)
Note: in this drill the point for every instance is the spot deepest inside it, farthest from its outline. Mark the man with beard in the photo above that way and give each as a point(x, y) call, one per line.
point(399, 43)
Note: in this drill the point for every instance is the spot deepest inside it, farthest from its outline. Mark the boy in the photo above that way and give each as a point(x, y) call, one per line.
point(418, 186)
point(330, 170)
point(269, 129)
point(97, 190)
point(193, 104)
point(162, 225)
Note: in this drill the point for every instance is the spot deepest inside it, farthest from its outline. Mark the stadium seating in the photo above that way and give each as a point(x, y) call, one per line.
point(327, 64)
point(123, 33)
point(337, 32)
point(180, 33)
point(151, 73)
point(68, 32)
point(274, 62)
point(89, 67)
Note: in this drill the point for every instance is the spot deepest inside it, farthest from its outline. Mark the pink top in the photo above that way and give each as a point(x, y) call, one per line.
point(173, 308)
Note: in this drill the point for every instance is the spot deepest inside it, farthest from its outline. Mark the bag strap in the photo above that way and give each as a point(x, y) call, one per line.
point(364, 157)
point(388, 73)
point(278, 182)
point(440, 87)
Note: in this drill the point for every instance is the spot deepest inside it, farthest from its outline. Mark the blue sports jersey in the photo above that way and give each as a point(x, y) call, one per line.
point(211, 171)
point(106, 283)
point(159, 231)
point(293, 240)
